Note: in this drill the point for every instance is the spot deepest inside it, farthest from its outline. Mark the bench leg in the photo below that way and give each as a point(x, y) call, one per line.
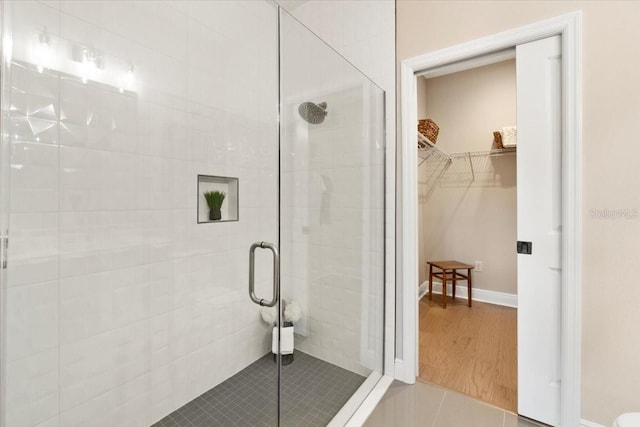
point(469, 285)
point(444, 289)
point(430, 280)
point(453, 286)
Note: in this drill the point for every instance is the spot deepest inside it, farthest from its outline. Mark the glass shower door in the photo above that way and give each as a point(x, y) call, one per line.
point(331, 230)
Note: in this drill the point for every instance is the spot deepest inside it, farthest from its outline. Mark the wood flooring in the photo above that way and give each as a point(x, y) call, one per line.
point(470, 350)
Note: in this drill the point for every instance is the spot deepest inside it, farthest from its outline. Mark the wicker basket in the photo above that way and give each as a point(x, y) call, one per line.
point(497, 141)
point(429, 128)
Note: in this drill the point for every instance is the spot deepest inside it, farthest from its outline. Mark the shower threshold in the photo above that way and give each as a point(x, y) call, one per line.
point(313, 391)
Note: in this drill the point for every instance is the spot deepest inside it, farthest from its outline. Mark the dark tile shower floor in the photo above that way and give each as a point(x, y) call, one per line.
point(313, 391)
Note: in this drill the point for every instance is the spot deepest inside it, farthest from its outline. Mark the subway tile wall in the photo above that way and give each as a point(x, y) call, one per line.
point(363, 32)
point(333, 232)
point(120, 308)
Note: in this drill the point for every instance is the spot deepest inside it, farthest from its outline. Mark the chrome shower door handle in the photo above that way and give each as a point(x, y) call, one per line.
point(276, 274)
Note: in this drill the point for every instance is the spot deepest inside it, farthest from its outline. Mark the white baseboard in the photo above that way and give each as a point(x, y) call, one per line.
point(586, 423)
point(399, 369)
point(400, 373)
point(482, 295)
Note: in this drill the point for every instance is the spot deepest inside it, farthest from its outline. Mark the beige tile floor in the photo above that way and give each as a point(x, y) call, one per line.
point(429, 405)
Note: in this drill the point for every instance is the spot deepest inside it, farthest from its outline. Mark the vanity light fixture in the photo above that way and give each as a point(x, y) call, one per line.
point(90, 60)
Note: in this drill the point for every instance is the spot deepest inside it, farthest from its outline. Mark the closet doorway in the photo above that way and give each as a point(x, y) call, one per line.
point(551, 136)
point(467, 211)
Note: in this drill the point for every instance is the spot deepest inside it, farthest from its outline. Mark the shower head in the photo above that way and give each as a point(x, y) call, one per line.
point(313, 113)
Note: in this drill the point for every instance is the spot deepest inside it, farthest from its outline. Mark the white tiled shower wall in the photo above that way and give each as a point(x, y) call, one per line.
point(120, 307)
point(111, 283)
point(332, 233)
point(363, 32)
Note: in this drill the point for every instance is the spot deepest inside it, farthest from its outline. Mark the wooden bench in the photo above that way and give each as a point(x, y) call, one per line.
point(448, 273)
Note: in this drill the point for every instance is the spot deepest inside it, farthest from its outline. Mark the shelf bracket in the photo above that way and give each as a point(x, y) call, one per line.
point(473, 173)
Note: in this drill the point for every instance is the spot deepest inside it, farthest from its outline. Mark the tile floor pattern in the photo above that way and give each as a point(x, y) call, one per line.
point(313, 391)
point(429, 405)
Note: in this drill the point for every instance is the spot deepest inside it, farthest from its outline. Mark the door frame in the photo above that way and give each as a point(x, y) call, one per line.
point(569, 28)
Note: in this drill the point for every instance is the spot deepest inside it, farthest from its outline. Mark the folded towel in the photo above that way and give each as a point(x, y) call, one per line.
point(286, 340)
point(509, 136)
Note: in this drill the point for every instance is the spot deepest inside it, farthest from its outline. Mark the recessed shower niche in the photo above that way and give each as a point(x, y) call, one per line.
point(217, 199)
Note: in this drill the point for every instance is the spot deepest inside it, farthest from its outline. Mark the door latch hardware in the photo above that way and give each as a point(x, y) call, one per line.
point(525, 247)
point(276, 274)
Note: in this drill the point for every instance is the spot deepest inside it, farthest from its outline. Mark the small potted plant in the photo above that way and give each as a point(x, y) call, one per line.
point(291, 313)
point(214, 200)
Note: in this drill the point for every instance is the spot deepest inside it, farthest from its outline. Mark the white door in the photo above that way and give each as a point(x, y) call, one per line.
point(538, 67)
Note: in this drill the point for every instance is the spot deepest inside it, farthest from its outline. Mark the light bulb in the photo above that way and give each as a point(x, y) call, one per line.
point(7, 48)
point(128, 79)
point(43, 51)
point(87, 64)
point(84, 70)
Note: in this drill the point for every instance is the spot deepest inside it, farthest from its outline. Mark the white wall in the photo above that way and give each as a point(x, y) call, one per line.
point(120, 307)
point(470, 216)
point(469, 105)
point(611, 106)
point(421, 92)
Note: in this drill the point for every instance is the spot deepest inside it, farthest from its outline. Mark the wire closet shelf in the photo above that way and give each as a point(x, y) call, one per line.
point(468, 167)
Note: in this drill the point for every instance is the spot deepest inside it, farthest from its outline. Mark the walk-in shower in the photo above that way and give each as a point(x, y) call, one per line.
point(123, 301)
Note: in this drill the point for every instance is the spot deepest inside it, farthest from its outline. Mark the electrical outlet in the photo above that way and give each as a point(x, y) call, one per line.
point(478, 266)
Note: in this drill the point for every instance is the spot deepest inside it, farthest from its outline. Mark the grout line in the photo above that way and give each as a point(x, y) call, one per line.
point(504, 419)
point(322, 404)
point(439, 407)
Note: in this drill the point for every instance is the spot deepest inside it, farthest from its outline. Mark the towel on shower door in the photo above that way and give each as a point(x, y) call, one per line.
point(286, 340)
